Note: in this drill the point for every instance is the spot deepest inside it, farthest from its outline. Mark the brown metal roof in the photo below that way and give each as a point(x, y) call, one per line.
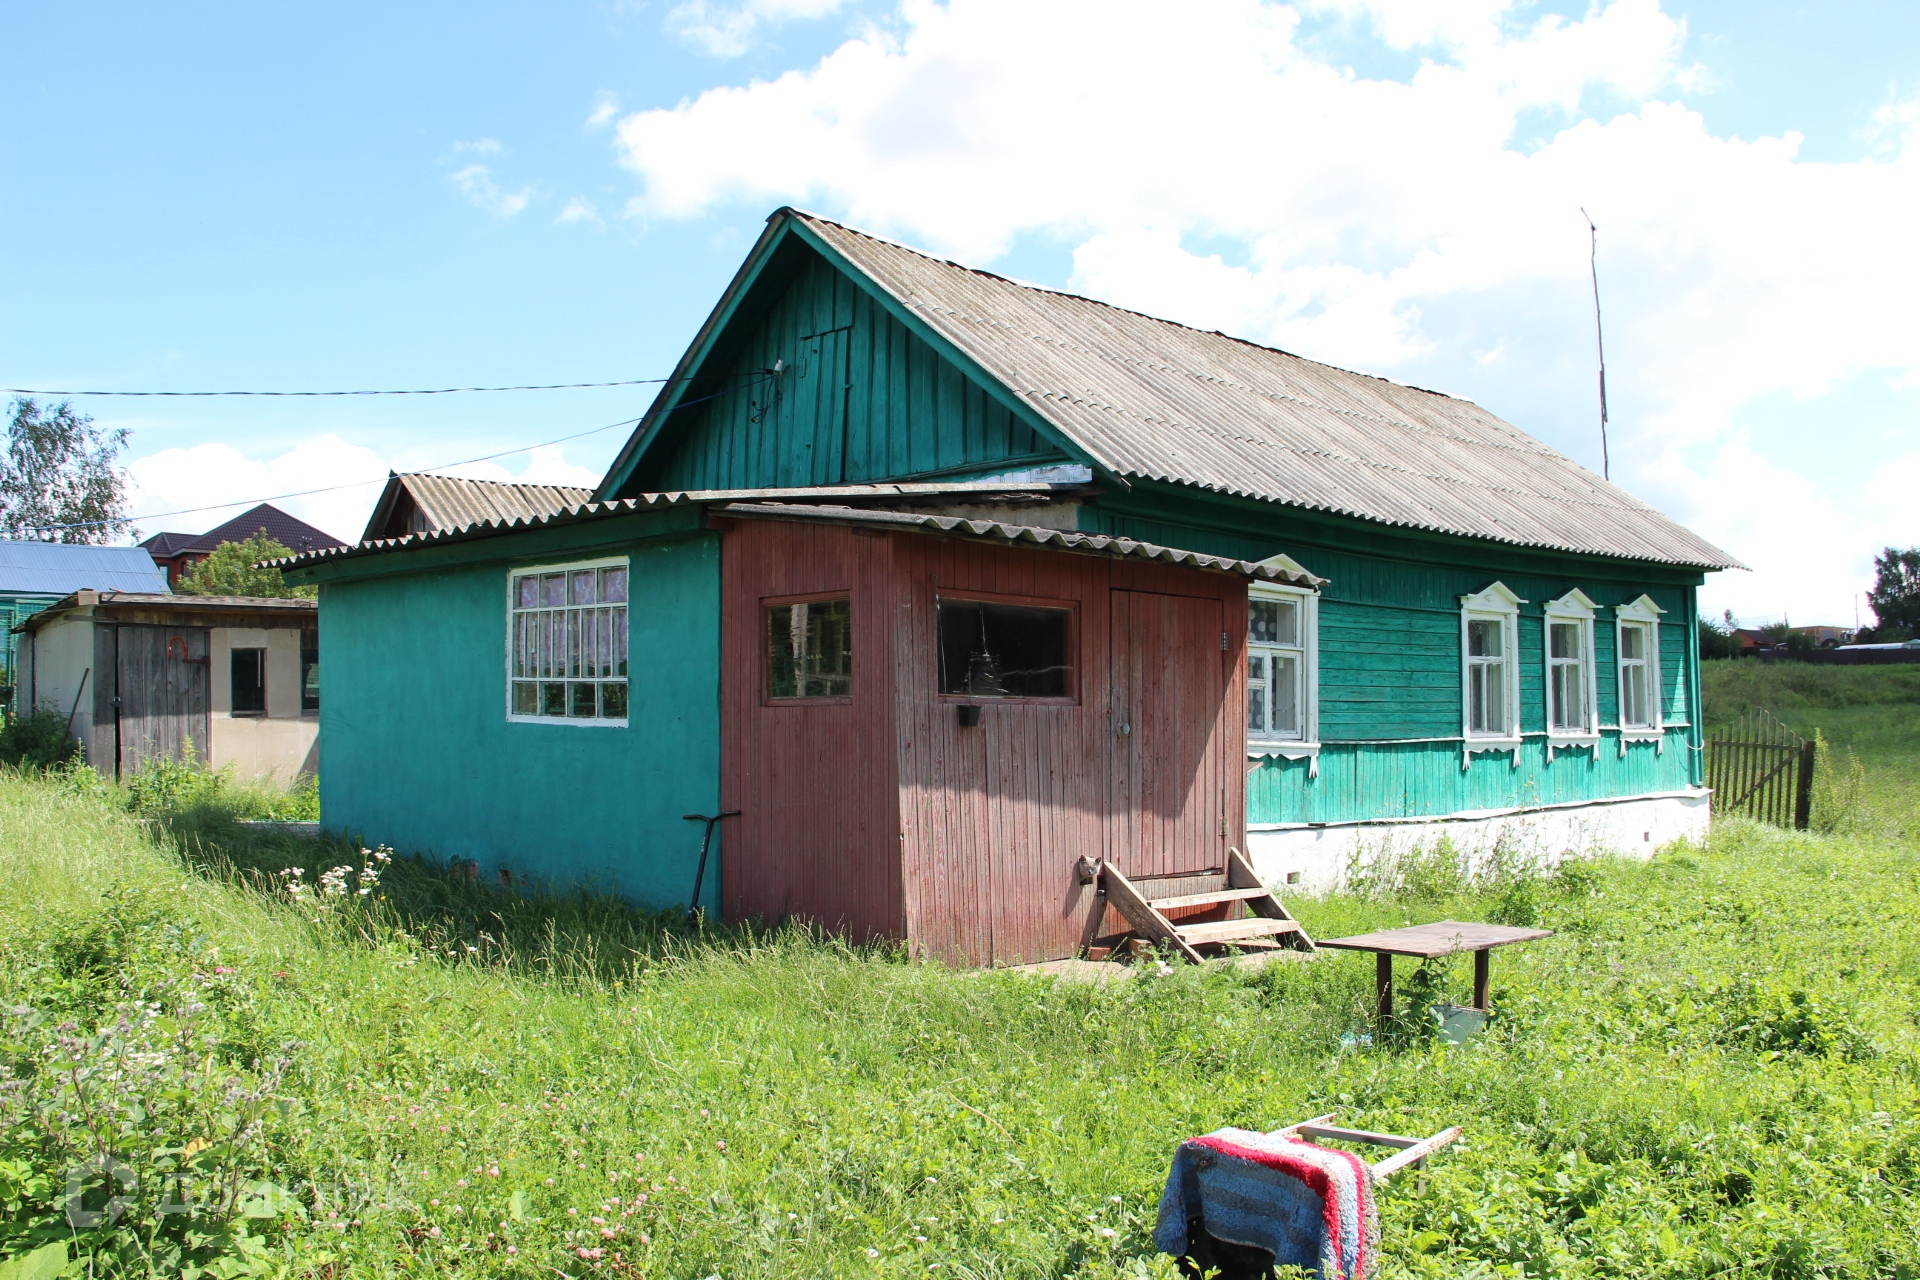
point(1150, 399)
point(454, 502)
point(289, 531)
point(1098, 544)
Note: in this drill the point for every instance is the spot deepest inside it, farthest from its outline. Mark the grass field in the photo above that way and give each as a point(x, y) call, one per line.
point(1712, 1068)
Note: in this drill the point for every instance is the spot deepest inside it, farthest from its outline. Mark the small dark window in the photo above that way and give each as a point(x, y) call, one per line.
point(309, 670)
point(249, 682)
point(1005, 650)
point(810, 650)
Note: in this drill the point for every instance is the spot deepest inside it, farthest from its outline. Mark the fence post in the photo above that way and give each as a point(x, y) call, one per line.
point(1803, 799)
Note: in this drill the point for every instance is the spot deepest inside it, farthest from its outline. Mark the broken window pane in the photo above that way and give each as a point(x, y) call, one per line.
point(1005, 650)
point(810, 650)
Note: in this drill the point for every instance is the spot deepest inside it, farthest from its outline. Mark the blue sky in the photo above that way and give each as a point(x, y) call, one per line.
point(272, 197)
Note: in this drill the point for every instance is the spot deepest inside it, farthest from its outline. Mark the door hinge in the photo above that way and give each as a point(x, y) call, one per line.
point(1223, 642)
point(1223, 824)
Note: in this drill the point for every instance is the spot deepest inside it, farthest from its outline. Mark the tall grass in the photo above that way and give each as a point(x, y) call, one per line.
point(1710, 1069)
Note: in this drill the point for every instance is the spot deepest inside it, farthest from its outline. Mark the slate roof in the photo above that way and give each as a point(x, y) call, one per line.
point(453, 502)
point(270, 610)
point(54, 569)
point(1151, 399)
point(289, 531)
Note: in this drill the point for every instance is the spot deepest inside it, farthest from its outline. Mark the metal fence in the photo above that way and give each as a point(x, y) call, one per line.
point(1763, 770)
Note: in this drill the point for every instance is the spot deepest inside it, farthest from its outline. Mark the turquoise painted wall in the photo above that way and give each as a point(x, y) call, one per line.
point(416, 750)
point(1390, 666)
point(860, 398)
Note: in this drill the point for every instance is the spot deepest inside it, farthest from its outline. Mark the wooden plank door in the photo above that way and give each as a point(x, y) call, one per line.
point(161, 684)
point(1169, 764)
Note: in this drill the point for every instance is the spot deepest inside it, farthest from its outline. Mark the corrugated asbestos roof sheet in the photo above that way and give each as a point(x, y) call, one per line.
point(184, 607)
point(450, 502)
point(54, 569)
point(1151, 399)
point(1099, 544)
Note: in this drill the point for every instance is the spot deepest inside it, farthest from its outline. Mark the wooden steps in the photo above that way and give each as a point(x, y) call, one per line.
point(1239, 889)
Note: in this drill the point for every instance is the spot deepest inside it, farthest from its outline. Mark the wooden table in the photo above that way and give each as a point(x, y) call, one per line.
point(1442, 938)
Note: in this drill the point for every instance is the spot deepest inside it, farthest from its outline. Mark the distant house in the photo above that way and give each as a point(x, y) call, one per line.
point(1753, 640)
point(419, 503)
point(35, 574)
point(178, 553)
point(965, 593)
point(232, 681)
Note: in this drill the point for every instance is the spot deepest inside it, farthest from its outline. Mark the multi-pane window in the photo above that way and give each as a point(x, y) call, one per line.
point(1276, 667)
point(990, 650)
point(810, 649)
point(1487, 677)
point(568, 641)
point(1637, 682)
point(249, 673)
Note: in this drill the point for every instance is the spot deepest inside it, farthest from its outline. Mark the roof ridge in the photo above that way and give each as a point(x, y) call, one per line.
point(1111, 306)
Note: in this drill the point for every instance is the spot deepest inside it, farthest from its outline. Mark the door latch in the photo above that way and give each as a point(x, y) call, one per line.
point(1223, 642)
point(1124, 729)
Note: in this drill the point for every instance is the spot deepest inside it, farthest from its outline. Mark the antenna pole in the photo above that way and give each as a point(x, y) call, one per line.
point(1599, 340)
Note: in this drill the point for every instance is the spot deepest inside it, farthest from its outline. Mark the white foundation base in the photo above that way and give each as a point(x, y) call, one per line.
point(1315, 859)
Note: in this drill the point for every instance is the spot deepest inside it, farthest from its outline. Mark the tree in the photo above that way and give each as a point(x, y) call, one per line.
point(1717, 640)
point(58, 481)
point(1895, 597)
point(235, 569)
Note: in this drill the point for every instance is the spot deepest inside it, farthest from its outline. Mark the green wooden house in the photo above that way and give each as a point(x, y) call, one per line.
point(882, 487)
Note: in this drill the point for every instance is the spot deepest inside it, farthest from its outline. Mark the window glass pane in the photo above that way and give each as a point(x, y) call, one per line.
point(1484, 637)
point(1634, 697)
point(526, 698)
point(553, 590)
point(526, 591)
point(543, 640)
point(582, 588)
point(309, 671)
point(613, 700)
point(1285, 717)
point(1263, 623)
point(1566, 640)
point(620, 643)
point(1633, 641)
point(1256, 708)
point(573, 643)
point(249, 669)
point(1005, 650)
point(810, 650)
point(613, 585)
point(602, 643)
point(1569, 697)
point(553, 698)
point(581, 701)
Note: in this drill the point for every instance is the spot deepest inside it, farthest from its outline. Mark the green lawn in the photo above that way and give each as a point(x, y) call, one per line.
point(1712, 1069)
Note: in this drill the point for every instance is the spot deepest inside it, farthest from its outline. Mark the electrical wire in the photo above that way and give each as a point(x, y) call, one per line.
point(435, 391)
point(335, 488)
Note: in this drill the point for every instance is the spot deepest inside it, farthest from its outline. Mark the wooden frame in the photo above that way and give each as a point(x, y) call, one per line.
point(1639, 613)
point(1070, 607)
point(1497, 603)
point(514, 611)
point(767, 698)
point(1577, 610)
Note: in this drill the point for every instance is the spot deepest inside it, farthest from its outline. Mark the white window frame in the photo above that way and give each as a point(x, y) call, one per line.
point(568, 566)
point(1641, 612)
point(1305, 745)
point(1577, 608)
point(1494, 603)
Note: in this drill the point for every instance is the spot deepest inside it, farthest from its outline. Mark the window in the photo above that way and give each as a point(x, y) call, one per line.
point(1638, 641)
point(1489, 672)
point(249, 667)
point(810, 649)
point(567, 643)
point(309, 670)
point(1279, 664)
point(1569, 658)
point(992, 650)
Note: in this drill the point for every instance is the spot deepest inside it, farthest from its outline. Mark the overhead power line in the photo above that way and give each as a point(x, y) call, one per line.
point(355, 484)
point(433, 391)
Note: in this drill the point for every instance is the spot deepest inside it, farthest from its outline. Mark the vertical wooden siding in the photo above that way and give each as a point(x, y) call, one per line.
point(818, 835)
point(860, 398)
point(994, 817)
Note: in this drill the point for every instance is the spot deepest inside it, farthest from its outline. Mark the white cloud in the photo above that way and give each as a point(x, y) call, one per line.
point(580, 210)
point(187, 480)
point(479, 146)
point(605, 107)
point(477, 184)
point(1213, 170)
point(727, 28)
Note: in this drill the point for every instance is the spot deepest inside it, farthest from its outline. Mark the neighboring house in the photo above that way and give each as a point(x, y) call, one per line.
point(35, 574)
point(1753, 640)
point(178, 553)
point(140, 675)
point(1827, 637)
point(947, 583)
point(418, 503)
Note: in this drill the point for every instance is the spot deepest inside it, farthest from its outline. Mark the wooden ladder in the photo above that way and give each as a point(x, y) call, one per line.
point(1240, 889)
